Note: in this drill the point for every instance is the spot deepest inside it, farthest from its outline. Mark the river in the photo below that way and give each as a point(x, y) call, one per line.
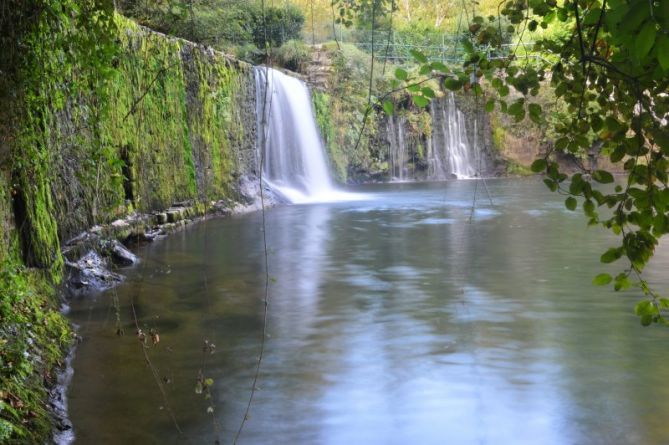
point(392, 320)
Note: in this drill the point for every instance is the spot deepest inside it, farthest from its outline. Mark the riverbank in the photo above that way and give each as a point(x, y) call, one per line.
point(35, 336)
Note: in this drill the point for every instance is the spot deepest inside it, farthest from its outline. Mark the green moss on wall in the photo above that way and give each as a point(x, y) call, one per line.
point(213, 86)
point(161, 127)
point(324, 119)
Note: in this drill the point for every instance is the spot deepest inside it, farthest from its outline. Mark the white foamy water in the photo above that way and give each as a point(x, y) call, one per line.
point(452, 153)
point(294, 162)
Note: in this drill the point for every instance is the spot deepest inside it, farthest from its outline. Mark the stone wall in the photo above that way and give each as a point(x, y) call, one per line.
point(174, 122)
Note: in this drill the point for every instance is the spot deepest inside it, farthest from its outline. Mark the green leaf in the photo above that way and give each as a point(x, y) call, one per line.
point(612, 124)
point(490, 105)
point(517, 108)
point(453, 84)
point(596, 123)
point(388, 107)
point(571, 203)
point(577, 184)
point(438, 66)
point(622, 282)
point(644, 307)
point(602, 279)
point(428, 92)
point(602, 176)
point(588, 207)
point(592, 16)
point(552, 185)
point(534, 109)
point(538, 166)
point(645, 39)
point(663, 51)
point(401, 74)
point(617, 154)
point(421, 101)
point(611, 255)
point(536, 118)
point(419, 56)
point(467, 46)
point(561, 143)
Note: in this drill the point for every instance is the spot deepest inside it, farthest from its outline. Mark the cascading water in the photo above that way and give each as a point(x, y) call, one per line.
point(289, 144)
point(451, 153)
point(397, 156)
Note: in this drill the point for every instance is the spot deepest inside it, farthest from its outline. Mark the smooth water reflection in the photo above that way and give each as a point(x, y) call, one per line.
point(391, 321)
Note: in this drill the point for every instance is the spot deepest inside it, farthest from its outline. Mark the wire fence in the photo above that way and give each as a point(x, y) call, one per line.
point(397, 46)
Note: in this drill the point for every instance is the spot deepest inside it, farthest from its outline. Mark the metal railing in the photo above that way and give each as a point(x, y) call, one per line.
point(451, 52)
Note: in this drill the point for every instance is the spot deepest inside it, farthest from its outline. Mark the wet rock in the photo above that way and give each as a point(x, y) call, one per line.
point(184, 204)
point(75, 247)
point(222, 207)
point(174, 215)
point(161, 218)
point(90, 274)
point(249, 189)
point(145, 236)
point(118, 253)
point(120, 224)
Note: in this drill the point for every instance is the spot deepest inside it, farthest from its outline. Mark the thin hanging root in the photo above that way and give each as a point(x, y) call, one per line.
point(478, 167)
point(476, 189)
point(267, 109)
point(487, 190)
point(156, 377)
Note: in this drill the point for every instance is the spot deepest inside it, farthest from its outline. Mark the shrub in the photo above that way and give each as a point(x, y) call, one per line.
point(293, 55)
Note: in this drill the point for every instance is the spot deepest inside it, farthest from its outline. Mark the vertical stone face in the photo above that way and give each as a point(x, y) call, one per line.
point(176, 121)
point(220, 110)
point(6, 215)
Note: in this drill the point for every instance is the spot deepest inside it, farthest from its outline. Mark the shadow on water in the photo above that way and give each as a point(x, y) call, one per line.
point(391, 321)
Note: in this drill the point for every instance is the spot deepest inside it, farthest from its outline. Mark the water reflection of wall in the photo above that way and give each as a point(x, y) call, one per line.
point(298, 239)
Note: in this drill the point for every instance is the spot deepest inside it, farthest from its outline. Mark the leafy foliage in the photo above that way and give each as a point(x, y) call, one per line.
point(220, 24)
point(292, 55)
point(32, 337)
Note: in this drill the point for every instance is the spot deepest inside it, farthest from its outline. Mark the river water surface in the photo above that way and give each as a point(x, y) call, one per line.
point(391, 320)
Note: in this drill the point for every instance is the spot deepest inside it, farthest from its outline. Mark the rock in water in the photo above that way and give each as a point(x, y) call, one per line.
point(90, 274)
point(118, 253)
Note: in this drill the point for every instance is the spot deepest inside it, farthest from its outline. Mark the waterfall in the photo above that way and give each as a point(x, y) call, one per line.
point(451, 153)
point(397, 156)
point(289, 144)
